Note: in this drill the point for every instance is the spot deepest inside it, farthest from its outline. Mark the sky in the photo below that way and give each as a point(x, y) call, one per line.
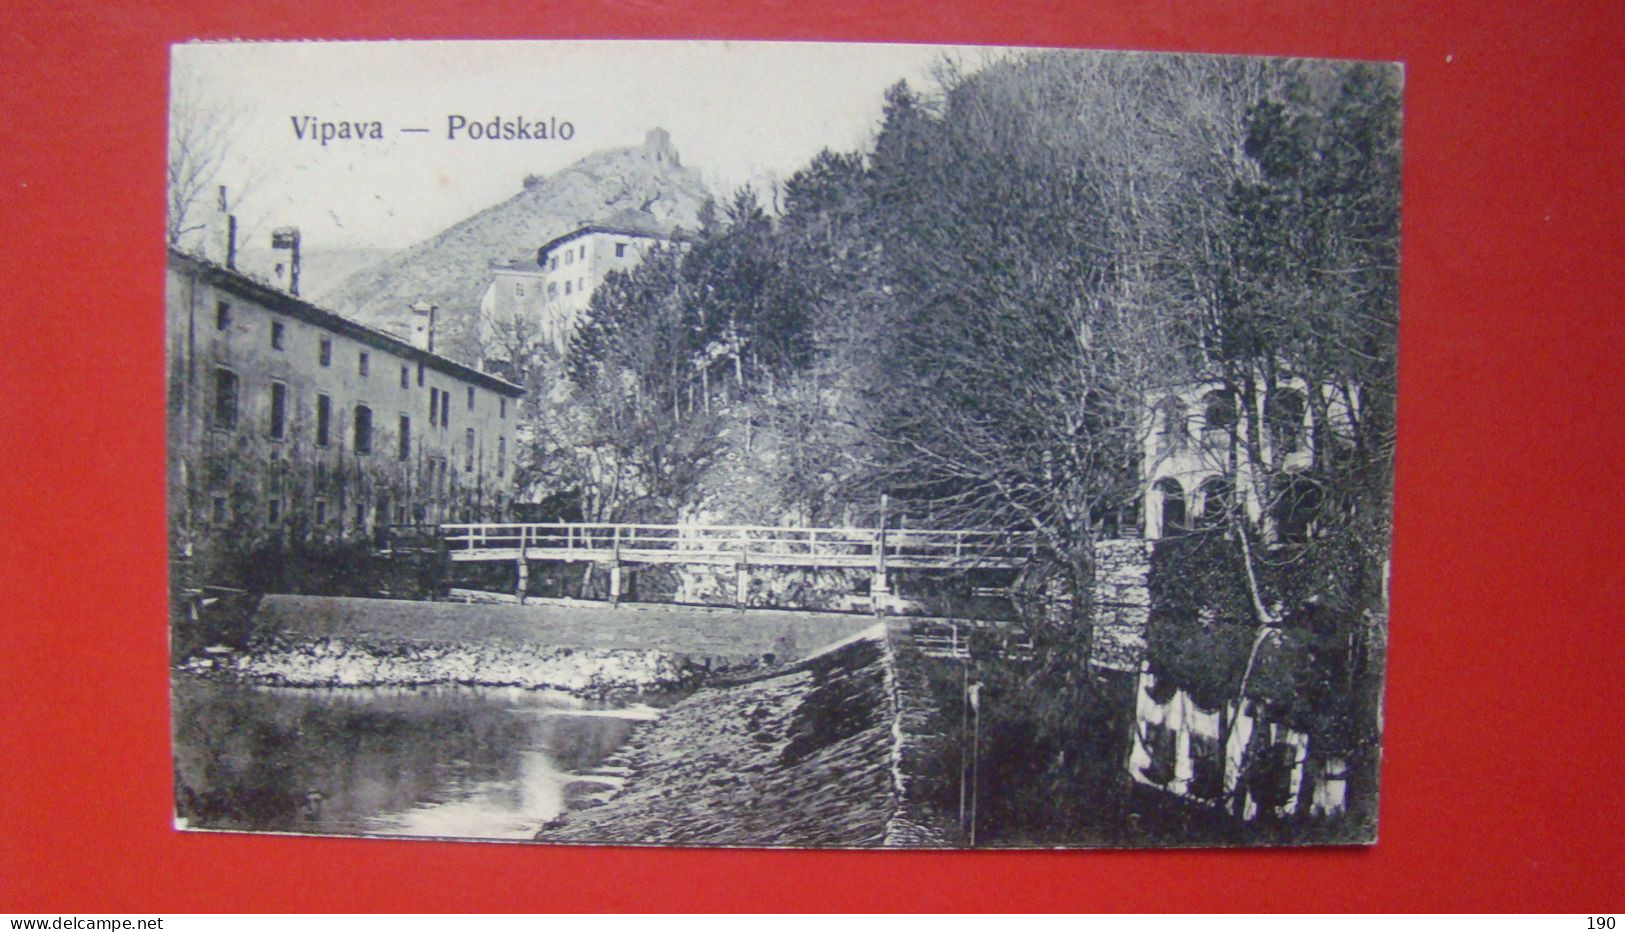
point(737, 112)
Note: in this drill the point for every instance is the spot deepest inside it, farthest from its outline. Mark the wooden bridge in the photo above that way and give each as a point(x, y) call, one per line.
point(739, 546)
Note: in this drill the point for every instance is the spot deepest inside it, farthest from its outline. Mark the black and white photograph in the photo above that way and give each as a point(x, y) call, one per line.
point(780, 445)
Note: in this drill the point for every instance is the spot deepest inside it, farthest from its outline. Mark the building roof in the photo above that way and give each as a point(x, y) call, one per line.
point(515, 267)
point(621, 223)
point(296, 307)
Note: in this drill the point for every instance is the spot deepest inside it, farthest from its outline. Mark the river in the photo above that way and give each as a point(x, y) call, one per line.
point(436, 761)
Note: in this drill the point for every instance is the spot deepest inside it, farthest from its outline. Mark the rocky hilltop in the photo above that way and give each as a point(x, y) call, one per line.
point(450, 269)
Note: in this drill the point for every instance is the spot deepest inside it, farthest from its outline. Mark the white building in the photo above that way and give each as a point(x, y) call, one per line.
point(545, 299)
point(1191, 468)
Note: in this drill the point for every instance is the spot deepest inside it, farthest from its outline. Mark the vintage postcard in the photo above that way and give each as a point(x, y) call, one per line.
point(780, 444)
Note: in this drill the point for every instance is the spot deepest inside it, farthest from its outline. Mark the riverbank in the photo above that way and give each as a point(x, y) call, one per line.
point(803, 745)
point(589, 650)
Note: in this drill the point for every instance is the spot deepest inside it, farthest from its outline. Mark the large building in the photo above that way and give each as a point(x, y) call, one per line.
point(1207, 453)
point(545, 298)
point(289, 423)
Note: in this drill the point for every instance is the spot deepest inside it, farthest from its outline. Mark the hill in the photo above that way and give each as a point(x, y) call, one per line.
point(450, 268)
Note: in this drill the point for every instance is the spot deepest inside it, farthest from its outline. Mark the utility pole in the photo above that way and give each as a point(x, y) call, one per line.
point(964, 726)
point(975, 693)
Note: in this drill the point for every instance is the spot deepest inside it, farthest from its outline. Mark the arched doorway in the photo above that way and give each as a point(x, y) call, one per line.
point(1172, 507)
point(1217, 499)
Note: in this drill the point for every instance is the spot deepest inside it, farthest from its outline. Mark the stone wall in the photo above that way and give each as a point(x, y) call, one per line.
point(1122, 600)
point(926, 747)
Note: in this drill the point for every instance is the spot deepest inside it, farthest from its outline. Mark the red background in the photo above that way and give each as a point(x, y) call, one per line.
point(1502, 784)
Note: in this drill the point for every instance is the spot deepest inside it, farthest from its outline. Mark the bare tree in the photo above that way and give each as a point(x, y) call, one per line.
point(201, 136)
point(516, 339)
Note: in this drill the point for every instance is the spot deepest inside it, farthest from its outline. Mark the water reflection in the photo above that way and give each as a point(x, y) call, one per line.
point(441, 761)
point(1231, 758)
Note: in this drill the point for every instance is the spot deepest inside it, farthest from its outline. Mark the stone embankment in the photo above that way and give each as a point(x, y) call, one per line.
point(726, 636)
point(585, 649)
point(809, 755)
point(332, 662)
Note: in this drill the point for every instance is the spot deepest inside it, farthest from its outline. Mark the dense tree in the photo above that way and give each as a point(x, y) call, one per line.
point(979, 314)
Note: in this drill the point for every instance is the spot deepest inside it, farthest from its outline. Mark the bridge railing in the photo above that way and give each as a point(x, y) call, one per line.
point(748, 541)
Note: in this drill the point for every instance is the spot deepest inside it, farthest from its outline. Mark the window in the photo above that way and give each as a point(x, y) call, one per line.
point(553, 264)
point(437, 475)
point(502, 406)
point(279, 410)
point(434, 406)
point(1174, 430)
point(471, 398)
point(620, 250)
point(325, 353)
point(519, 289)
point(363, 429)
point(502, 456)
point(360, 514)
point(222, 315)
point(324, 419)
point(445, 409)
point(277, 331)
point(406, 436)
point(273, 511)
point(361, 364)
point(406, 377)
point(400, 514)
point(217, 510)
point(468, 437)
point(552, 289)
point(582, 284)
point(570, 257)
point(225, 399)
point(568, 287)
point(1284, 412)
point(420, 375)
point(1219, 411)
point(583, 252)
point(321, 511)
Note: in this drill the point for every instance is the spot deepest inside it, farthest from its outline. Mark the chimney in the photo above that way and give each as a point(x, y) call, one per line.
point(220, 232)
point(423, 314)
point(287, 272)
